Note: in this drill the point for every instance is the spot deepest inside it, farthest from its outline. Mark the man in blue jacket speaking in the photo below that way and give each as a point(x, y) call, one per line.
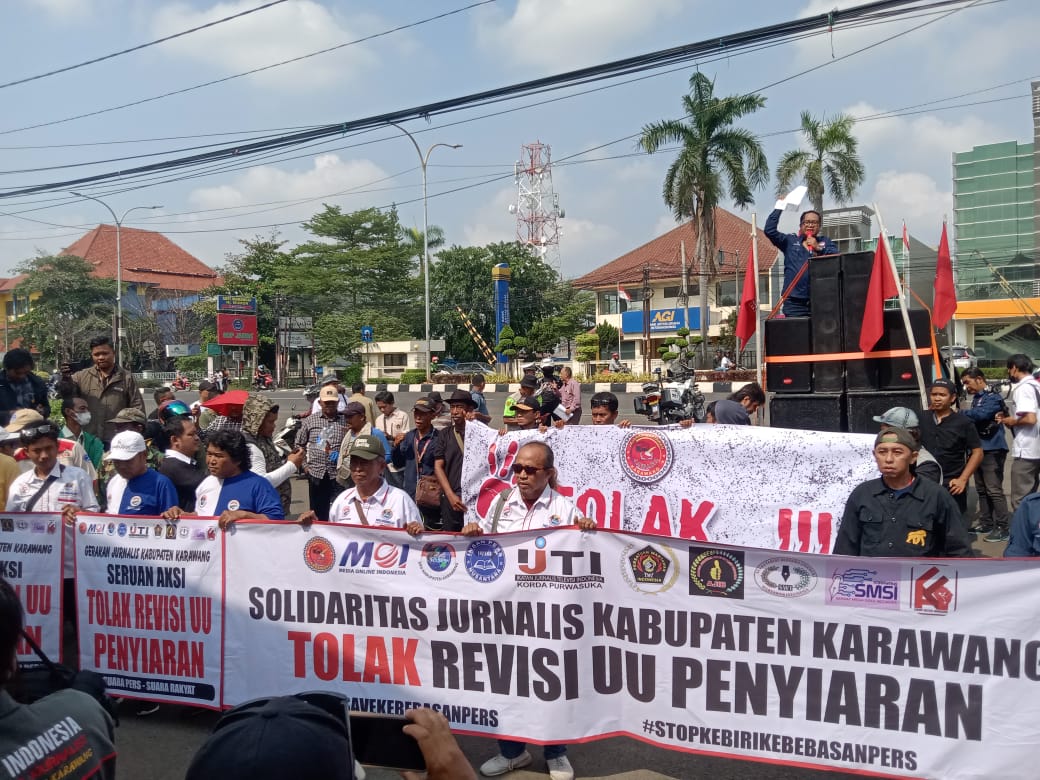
point(798, 249)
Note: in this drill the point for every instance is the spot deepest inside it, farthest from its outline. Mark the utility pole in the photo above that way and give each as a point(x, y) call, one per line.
point(646, 318)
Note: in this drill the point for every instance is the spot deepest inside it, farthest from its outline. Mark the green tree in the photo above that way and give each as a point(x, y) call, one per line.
point(608, 337)
point(338, 335)
point(830, 163)
point(461, 276)
point(715, 159)
point(68, 307)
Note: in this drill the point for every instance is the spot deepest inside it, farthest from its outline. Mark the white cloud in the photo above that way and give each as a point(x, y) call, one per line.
point(329, 174)
point(268, 36)
point(492, 221)
point(64, 10)
point(913, 197)
point(558, 34)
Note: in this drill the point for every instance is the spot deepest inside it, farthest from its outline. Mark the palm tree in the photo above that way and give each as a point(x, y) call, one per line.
point(715, 159)
point(830, 163)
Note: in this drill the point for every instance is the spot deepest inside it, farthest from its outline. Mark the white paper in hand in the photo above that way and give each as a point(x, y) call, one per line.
point(795, 197)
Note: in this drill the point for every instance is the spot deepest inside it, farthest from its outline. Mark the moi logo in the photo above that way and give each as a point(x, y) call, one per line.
point(374, 558)
point(646, 456)
point(318, 554)
point(649, 569)
point(438, 561)
point(785, 577)
point(875, 586)
point(485, 560)
point(934, 589)
point(718, 573)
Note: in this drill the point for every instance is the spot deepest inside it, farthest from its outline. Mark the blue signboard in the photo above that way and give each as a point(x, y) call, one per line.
point(366, 335)
point(236, 304)
point(661, 320)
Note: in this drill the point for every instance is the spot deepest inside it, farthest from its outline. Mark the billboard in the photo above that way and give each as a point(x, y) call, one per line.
point(237, 330)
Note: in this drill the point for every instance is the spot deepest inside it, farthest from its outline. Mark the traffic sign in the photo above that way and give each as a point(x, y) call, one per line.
point(366, 335)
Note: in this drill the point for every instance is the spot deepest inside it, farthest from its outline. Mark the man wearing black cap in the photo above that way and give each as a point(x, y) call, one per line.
point(952, 438)
point(528, 387)
point(413, 453)
point(447, 460)
point(900, 515)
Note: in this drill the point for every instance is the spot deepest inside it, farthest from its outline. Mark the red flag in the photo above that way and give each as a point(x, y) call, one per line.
point(906, 239)
point(882, 286)
point(945, 302)
point(747, 314)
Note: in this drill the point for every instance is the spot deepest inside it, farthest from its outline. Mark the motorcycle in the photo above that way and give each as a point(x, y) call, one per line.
point(671, 399)
point(263, 382)
point(181, 383)
point(285, 439)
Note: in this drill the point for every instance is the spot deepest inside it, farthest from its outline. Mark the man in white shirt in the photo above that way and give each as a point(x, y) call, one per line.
point(52, 487)
point(392, 422)
point(371, 501)
point(334, 382)
point(533, 503)
point(1025, 451)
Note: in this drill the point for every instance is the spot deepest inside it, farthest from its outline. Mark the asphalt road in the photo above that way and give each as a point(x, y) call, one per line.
point(160, 746)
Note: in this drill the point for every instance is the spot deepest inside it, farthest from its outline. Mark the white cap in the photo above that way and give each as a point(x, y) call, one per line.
point(126, 445)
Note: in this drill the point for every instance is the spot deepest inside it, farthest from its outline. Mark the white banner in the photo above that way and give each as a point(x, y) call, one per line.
point(149, 598)
point(31, 561)
point(748, 486)
point(910, 668)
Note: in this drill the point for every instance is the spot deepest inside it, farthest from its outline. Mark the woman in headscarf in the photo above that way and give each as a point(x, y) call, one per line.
point(259, 417)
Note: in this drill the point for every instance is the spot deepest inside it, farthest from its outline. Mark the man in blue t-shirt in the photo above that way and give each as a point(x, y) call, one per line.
point(136, 489)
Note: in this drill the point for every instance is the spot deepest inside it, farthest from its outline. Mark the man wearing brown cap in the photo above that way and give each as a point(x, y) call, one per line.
point(107, 388)
point(900, 515)
point(413, 454)
point(320, 435)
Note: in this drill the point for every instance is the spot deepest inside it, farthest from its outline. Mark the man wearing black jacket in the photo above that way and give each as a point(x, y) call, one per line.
point(20, 388)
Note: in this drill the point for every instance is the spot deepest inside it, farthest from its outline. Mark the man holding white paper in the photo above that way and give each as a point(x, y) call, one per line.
point(798, 249)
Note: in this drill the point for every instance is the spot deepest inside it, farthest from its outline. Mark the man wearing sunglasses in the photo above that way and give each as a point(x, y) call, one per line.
point(533, 503)
point(798, 249)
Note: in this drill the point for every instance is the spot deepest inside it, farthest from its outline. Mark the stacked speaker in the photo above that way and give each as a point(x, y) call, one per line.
point(841, 395)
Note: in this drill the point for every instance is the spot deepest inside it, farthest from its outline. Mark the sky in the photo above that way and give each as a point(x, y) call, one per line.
point(942, 82)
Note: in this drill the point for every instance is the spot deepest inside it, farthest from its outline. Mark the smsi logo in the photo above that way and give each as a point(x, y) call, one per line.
point(664, 315)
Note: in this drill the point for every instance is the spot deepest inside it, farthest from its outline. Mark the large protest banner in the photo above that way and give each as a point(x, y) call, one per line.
point(31, 561)
point(910, 668)
point(748, 486)
point(149, 598)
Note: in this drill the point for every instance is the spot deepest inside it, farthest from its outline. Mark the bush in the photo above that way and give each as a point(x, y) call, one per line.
point(413, 376)
point(619, 376)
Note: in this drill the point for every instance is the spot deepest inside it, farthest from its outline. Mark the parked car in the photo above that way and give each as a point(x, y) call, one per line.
point(963, 357)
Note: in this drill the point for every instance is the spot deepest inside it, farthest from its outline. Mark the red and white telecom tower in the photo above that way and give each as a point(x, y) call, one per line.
point(537, 206)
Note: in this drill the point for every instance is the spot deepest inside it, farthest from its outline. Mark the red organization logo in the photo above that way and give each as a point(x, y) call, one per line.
point(935, 589)
point(319, 554)
point(646, 456)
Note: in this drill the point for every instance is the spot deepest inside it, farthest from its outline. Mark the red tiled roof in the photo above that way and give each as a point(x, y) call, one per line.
point(663, 254)
point(148, 258)
point(6, 285)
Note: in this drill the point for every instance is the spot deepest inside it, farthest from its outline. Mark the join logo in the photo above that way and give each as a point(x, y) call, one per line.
point(874, 587)
point(374, 558)
point(558, 569)
point(935, 590)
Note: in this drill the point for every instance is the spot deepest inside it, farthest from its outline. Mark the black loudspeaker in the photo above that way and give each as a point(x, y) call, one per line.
point(789, 336)
point(825, 293)
point(864, 407)
point(898, 373)
point(860, 375)
point(816, 412)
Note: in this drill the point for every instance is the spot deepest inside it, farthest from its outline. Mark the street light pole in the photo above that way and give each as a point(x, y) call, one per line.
point(119, 266)
point(423, 162)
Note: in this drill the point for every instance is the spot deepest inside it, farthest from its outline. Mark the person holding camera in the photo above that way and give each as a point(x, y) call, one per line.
point(65, 734)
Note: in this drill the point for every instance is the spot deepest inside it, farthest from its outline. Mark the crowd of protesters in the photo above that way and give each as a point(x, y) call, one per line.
point(369, 463)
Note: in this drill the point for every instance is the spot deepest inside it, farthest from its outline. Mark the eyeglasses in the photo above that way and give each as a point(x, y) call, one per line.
point(810, 222)
point(528, 470)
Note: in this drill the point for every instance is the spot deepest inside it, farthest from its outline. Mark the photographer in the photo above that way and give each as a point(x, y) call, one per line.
point(67, 734)
point(289, 736)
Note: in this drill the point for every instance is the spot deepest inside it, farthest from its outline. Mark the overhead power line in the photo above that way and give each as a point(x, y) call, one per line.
point(157, 41)
point(878, 10)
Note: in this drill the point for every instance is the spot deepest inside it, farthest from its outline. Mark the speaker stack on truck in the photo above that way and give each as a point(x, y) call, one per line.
point(841, 395)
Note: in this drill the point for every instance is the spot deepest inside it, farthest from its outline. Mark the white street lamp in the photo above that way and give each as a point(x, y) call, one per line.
point(119, 266)
point(423, 161)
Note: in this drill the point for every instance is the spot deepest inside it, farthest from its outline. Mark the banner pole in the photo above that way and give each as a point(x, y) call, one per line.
point(904, 311)
point(758, 318)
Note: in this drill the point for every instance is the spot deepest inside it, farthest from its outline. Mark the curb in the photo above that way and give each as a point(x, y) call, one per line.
point(629, 388)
